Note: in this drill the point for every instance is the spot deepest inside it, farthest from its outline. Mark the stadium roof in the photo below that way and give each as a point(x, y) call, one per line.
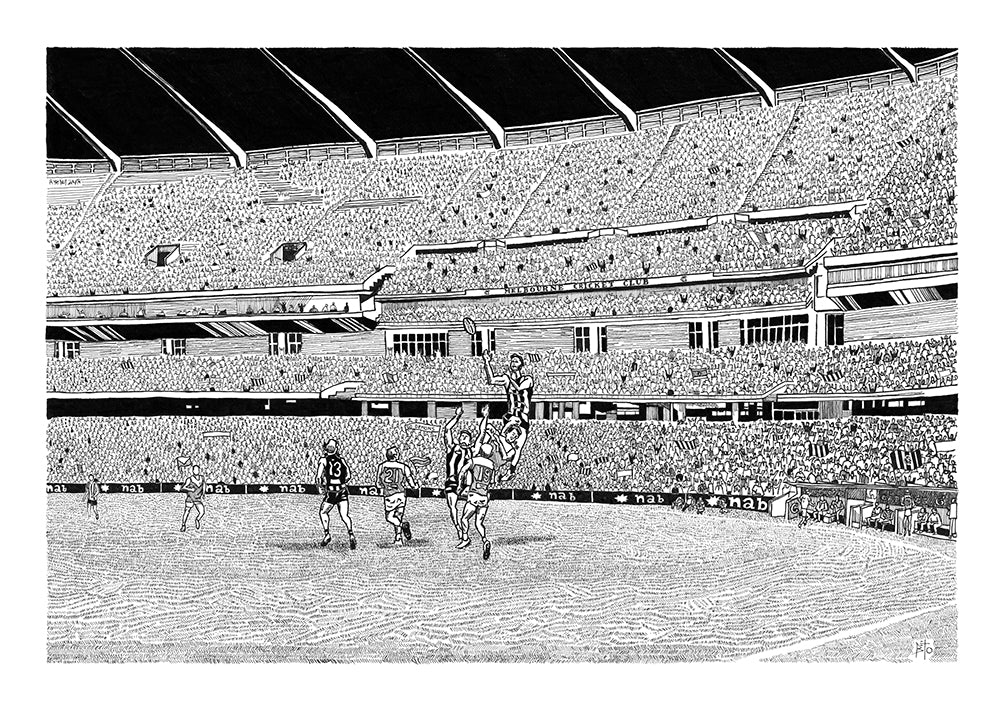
point(383, 90)
point(917, 55)
point(121, 106)
point(653, 77)
point(518, 87)
point(793, 66)
point(64, 142)
point(246, 96)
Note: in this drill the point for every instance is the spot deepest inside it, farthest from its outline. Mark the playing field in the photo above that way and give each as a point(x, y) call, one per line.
point(566, 582)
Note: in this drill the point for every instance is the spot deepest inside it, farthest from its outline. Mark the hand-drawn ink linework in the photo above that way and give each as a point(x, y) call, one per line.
point(607, 355)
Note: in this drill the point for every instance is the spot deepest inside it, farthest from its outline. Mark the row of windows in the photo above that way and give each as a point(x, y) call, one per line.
point(783, 328)
point(426, 344)
point(582, 339)
point(285, 343)
point(483, 342)
point(788, 328)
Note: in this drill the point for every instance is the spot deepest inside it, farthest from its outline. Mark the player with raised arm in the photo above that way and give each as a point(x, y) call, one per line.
point(479, 475)
point(458, 454)
point(393, 477)
point(332, 476)
point(519, 391)
point(195, 492)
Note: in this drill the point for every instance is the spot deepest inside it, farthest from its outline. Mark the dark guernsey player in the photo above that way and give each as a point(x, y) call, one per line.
point(519, 391)
point(332, 477)
point(458, 454)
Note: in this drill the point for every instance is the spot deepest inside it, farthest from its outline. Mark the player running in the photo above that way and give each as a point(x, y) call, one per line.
point(458, 454)
point(479, 475)
point(393, 477)
point(519, 390)
point(195, 492)
point(332, 476)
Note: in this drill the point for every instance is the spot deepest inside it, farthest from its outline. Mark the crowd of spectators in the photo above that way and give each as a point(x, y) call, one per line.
point(360, 215)
point(230, 224)
point(721, 458)
point(733, 247)
point(725, 371)
point(601, 305)
point(60, 220)
point(108, 251)
point(839, 148)
point(708, 166)
point(489, 202)
point(589, 184)
point(915, 205)
point(612, 303)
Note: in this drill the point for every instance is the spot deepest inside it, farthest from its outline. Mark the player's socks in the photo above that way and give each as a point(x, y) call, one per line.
point(326, 540)
point(464, 543)
point(197, 523)
point(486, 549)
point(406, 528)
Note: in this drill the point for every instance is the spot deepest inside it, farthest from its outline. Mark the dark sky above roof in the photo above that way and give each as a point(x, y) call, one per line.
point(384, 91)
point(916, 55)
point(791, 66)
point(651, 77)
point(117, 102)
point(518, 87)
point(63, 142)
point(246, 96)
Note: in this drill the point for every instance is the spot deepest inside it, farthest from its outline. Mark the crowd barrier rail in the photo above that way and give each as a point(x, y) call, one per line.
point(754, 503)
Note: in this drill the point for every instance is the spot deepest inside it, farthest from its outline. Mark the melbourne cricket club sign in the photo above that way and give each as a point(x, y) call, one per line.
point(754, 503)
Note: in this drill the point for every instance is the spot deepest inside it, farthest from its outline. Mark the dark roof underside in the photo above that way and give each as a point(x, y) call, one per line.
point(918, 55)
point(384, 91)
point(518, 87)
point(247, 96)
point(121, 106)
point(651, 77)
point(63, 142)
point(781, 67)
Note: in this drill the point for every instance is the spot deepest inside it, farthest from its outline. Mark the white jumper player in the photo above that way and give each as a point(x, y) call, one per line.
point(479, 475)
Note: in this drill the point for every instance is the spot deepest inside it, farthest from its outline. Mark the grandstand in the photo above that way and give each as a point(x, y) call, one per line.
point(731, 273)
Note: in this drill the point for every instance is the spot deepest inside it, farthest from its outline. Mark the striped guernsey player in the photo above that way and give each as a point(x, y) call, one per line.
point(519, 391)
point(458, 453)
point(393, 477)
point(332, 477)
point(479, 475)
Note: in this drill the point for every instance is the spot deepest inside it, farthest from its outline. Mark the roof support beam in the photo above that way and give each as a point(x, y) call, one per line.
point(240, 156)
point(487, 122)
point(368, 143)
point(629, 116)
point(908, 67)
point(87, 135)
point(747, 74)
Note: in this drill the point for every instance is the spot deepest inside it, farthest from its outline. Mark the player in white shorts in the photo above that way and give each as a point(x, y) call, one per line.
point(195, 492)
point(393, 477)
point(479, 475)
